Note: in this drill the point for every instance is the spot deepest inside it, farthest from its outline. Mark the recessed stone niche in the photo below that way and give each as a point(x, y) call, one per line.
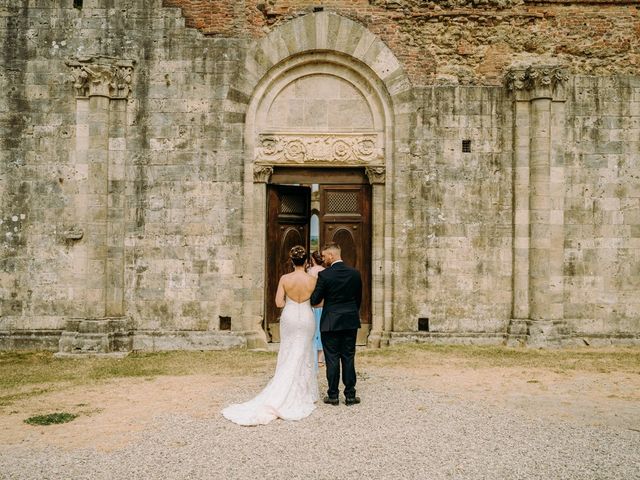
point(320, 103)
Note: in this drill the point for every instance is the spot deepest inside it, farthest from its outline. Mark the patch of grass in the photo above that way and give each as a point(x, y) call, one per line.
point(625, 359)
point(26, 374)
point(13, 397)
point(51, 418)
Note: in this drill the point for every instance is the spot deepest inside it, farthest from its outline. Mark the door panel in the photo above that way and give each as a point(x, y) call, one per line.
point(287, 226)
point(343, 235)
point(345, 219)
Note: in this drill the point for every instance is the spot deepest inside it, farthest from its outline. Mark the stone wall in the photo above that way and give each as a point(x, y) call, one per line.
point(456, 242)
point(125, 206)
point(36, 114)
point(602, 216)
point(125, 169)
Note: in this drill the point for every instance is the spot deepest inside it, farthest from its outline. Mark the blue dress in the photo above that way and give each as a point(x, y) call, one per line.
point(317, 342)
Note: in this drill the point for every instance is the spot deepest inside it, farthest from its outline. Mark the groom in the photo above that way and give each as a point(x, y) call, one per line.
point(340, 286)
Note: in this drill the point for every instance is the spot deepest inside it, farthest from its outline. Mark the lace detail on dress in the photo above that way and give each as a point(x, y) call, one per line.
point(292, 392)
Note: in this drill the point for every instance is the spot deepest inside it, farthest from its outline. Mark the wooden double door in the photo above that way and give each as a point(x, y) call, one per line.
point(340, 201)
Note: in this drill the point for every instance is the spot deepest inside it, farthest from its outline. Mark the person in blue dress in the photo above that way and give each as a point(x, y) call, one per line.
point(317, 266)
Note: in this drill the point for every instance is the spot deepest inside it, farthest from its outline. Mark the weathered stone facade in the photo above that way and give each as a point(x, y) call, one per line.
point(501, 139)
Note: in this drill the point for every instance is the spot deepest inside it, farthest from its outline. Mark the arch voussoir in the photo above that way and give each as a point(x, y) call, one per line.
point(366, 40)
point(262, 58)
point(308, 26)
point(348, 36)
point(321, 30)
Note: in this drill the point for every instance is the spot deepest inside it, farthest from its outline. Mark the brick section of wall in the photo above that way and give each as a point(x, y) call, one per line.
point(455, 42)
point(214, 17)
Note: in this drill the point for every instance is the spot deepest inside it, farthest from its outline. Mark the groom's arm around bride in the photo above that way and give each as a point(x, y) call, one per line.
point(340, 287)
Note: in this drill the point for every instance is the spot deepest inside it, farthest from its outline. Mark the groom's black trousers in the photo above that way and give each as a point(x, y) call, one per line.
point(340, 348)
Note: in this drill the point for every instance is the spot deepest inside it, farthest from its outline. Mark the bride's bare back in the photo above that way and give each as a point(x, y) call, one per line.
point(297, 285)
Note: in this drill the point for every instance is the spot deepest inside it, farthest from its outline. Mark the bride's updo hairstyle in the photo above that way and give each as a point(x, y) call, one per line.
point(298, 255)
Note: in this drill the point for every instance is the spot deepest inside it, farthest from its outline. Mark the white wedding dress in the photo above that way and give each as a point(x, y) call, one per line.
point(292, 392)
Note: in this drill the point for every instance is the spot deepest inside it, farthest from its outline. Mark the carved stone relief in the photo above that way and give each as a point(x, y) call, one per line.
point(102, 77)
point(262, 173)
point(376, 175)
point(534, 77)
point(352, 149)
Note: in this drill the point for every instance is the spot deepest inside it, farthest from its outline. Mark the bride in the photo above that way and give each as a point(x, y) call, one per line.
point(292, 392)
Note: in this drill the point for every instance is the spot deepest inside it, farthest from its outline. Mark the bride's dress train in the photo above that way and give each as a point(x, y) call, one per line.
point(292, 392)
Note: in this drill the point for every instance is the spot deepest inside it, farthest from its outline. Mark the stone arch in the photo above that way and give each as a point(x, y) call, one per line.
point(322, 45)
point(325, 31)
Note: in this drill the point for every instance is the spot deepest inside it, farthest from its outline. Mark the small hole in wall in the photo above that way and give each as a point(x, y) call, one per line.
point(225, 323)
point(423, 324)
point(318, 9)
point(77, 3)
point(466, 146)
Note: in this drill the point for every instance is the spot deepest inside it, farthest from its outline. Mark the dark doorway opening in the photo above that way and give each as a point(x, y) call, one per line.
point(312, 207)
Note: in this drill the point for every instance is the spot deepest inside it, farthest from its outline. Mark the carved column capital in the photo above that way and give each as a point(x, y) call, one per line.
point(262, 173)
point(101, 76)
point(376, 175)
point(537, 81)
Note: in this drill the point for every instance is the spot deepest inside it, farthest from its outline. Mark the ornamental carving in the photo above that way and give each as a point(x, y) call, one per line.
point(104, 77)
point(531, 78)
point(376, 175)
point(318, 148)
point(262, 173)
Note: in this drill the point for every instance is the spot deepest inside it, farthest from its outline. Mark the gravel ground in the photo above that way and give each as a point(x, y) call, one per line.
point(400, 431)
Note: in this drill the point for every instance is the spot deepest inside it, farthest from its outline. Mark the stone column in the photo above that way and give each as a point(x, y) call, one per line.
point(102, 86)
point(378, 328)
point(253, 314)
point(538, 204)
point(114, 281)
point(95, 222)
point(521, 215)
point(539, 176)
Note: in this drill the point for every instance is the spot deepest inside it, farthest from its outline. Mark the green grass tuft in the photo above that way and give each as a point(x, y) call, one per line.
point(51, 418)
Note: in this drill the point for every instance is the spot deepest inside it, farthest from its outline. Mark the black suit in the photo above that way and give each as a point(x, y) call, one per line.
point(340, 286)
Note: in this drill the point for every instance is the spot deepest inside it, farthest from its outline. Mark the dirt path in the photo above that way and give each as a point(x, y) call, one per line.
point(114, 414)
point(588, 398)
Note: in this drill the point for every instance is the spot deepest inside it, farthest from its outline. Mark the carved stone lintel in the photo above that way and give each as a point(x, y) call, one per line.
point(376, 175)
point(319, 149)
point(101, 76)
point(536, 79)
point(262, 173)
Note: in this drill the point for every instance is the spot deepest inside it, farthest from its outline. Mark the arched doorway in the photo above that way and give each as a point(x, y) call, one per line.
point(319, 107)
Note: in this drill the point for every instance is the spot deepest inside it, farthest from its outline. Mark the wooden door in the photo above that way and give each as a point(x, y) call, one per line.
point(345, 219)
point(287, 226)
